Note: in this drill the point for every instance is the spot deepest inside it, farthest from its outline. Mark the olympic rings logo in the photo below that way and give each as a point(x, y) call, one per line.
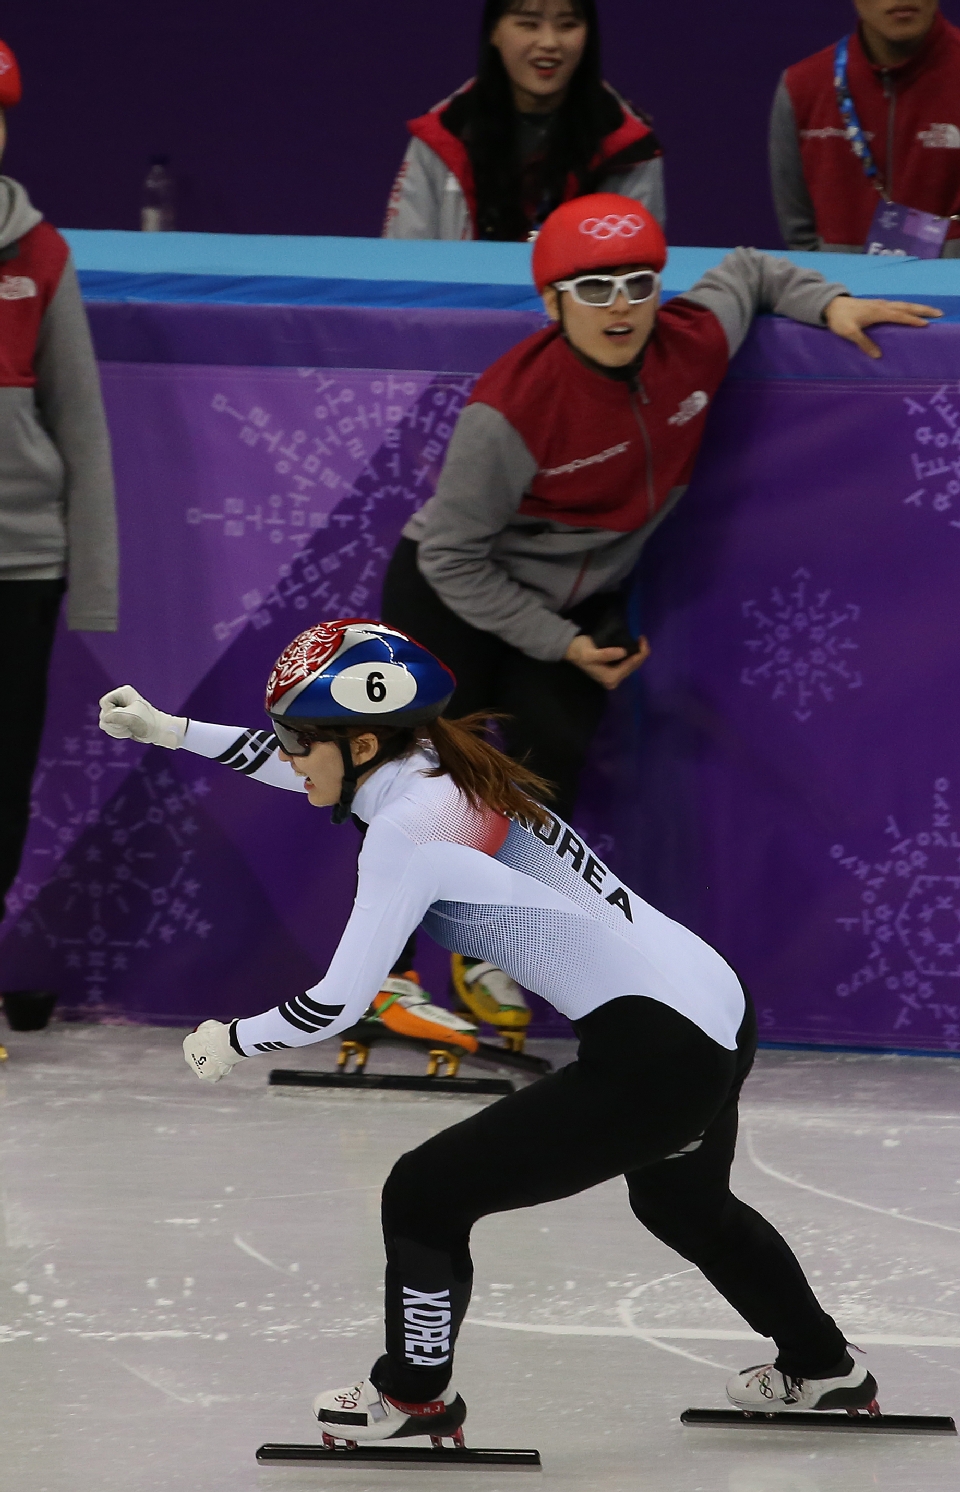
point(603, 229)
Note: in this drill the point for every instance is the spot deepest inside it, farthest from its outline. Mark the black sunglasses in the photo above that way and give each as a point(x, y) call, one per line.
point(294, 742)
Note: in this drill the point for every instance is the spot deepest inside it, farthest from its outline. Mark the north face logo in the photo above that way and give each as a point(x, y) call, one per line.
point(940, 137)
point(689, 409)
point(17, 287)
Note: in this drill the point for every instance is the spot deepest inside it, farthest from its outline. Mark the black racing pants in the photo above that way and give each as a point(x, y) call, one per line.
point(647, 1085)
point(553, 708)
point(28, 621)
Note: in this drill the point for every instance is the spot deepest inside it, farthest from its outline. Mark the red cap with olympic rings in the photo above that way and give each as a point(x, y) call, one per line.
point(597, 232)
point(10, 85)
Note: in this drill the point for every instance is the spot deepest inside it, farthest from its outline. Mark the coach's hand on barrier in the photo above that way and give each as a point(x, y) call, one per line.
point(846, 317)
point(126, 715)
point(208, 1051)
point(607, 666)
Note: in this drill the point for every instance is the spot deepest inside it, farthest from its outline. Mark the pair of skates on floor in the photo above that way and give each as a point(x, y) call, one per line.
point(362, 1421)
point(483, 994)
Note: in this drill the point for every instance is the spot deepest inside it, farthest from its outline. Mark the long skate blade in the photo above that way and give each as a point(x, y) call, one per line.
point(282, 1077)
point(524, 1061)
point(370, 1033)
point(411, 1458)
point(880, 1424)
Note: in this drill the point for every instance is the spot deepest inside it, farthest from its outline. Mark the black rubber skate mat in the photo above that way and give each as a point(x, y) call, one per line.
point(396, 1457)
point(880, 1424)
point(282, 1077)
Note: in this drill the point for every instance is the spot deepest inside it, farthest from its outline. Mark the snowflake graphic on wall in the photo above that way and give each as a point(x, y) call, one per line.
point(109, 865)
point(909, 920)
point(935, 463)
point(801, 648)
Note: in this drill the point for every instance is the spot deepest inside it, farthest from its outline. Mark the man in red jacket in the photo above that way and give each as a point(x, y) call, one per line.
point(903, 78)
point(573, 448)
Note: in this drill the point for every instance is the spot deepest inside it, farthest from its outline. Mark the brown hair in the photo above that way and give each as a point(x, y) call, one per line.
point(485, 776)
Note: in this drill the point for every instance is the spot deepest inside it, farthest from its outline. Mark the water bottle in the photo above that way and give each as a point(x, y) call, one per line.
point(157, 205)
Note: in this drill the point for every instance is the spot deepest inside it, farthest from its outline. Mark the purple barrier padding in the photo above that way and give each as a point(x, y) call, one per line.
point(797, 780)
point(780, 349)
point(780, 778)
point(454, 341)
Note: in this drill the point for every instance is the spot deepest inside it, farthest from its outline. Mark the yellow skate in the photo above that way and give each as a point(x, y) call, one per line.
point(403, 1007)
point(491, 996)
point(4, 1054)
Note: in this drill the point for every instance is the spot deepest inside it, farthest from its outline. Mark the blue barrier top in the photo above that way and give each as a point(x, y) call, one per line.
point(269, 270)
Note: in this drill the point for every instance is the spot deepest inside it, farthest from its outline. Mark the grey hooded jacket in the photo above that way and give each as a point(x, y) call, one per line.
point(514, 575)
point(57, 513)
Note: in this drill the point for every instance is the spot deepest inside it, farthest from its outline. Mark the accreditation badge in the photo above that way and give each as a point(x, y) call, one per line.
point(906, 232)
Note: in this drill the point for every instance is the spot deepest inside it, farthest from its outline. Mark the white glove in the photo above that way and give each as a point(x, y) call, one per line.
point(126, 715)
point(209, 1052)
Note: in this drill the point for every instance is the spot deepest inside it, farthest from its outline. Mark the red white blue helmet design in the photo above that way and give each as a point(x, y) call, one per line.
point(355, 671)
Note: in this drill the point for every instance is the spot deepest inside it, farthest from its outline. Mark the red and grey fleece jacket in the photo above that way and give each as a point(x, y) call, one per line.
point(57, 512)
point(434, 194)
point(557, 475)
point(910, 115)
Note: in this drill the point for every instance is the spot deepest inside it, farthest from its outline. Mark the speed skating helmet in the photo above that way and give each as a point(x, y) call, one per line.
point(353, 672)
point(597, 232)
point(11, 89)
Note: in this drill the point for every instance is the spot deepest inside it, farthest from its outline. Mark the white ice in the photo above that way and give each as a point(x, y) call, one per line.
point(183, 1267)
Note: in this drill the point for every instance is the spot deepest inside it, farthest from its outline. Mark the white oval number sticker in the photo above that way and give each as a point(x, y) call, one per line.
point(374, 688)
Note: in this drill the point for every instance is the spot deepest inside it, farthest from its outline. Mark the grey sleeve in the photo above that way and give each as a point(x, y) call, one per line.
point(790, 195)
point(487, 471)
point(644, 183)
point(71, 407)
point(415, 201)
point(746, 282)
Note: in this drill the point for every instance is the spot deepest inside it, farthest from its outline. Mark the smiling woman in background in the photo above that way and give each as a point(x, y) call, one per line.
point(536, 127)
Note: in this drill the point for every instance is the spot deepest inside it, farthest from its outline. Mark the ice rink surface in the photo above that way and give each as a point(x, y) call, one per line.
point(183, 1267)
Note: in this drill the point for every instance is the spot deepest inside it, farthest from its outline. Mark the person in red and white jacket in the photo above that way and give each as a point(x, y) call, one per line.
point(904, 80)
point(57, 519)
point(535, 127)
point(573, 447)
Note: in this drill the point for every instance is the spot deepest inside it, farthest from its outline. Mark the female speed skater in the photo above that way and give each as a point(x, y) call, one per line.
point(456, 836)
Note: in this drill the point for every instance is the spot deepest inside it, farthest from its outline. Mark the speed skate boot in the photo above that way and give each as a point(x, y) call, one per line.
point(404, 1007)
point(361, 1414)
point(491, 996)
point(765, 1390)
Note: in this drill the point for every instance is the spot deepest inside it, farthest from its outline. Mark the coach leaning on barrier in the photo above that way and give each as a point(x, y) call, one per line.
point(903, 81)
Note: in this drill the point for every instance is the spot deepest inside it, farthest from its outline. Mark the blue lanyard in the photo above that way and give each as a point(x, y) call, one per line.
point(858, 140)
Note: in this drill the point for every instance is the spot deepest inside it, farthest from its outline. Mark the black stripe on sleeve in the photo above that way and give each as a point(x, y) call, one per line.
point(268, 748)
point(331, 1010)
point(235, 749)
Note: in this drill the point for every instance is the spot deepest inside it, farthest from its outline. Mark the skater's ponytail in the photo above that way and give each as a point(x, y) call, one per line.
point(486, 777)
point(482, 773)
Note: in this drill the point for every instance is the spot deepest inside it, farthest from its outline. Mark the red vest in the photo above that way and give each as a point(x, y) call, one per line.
point(431, 129)
point(28, 283)
point(913, 108)
point(608, 457)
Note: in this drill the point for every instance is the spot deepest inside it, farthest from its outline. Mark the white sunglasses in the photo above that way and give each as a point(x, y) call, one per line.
point(602, 290)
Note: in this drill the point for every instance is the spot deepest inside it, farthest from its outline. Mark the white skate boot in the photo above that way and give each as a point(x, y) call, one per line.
point(361, 1414)
point(765, 1390)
